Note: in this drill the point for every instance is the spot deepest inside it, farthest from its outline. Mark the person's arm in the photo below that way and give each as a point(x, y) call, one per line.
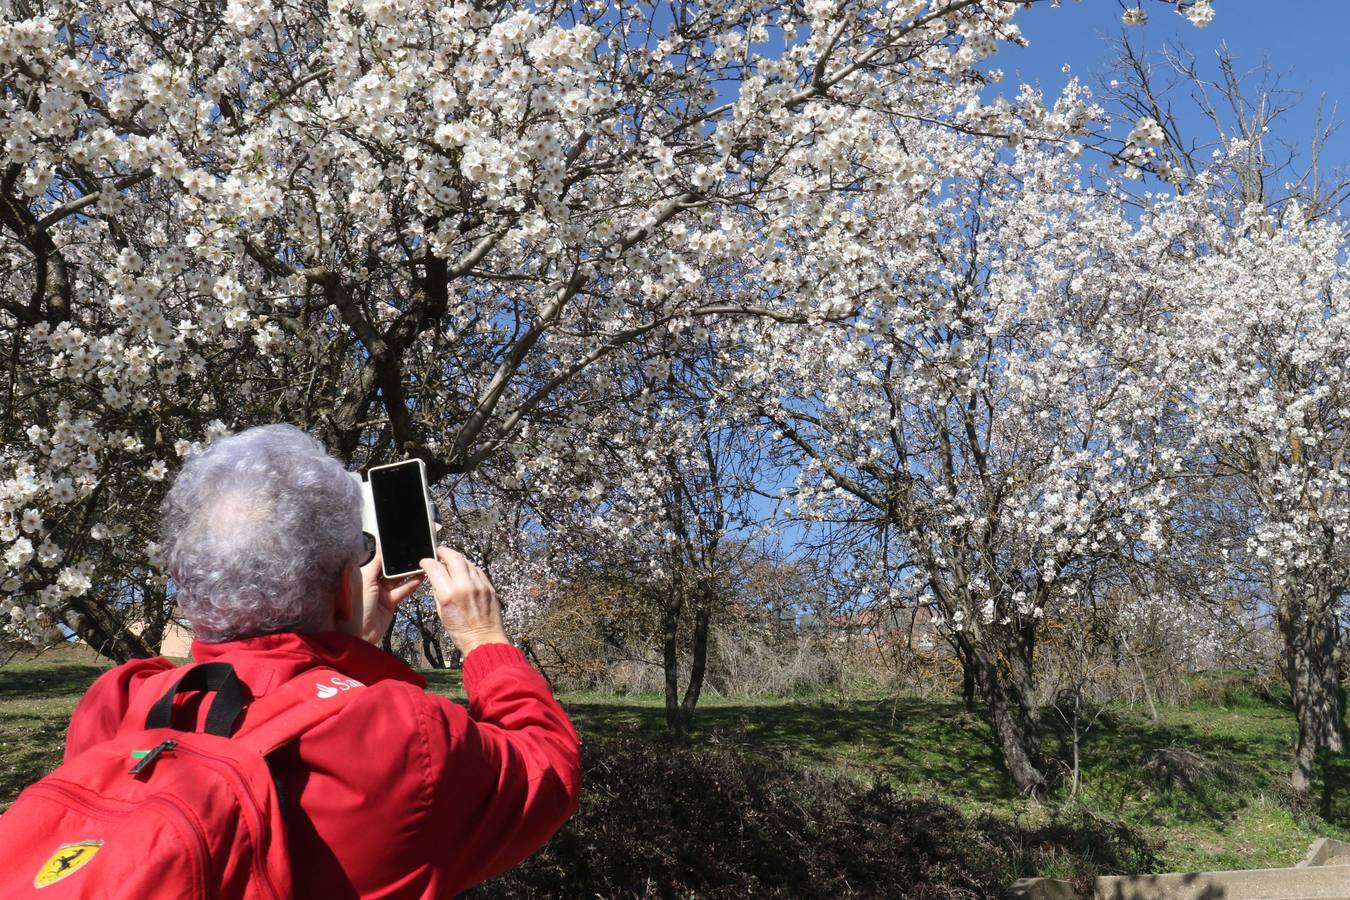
point(506, 773)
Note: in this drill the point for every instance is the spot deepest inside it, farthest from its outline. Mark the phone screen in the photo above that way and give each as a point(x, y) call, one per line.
point(401, 517)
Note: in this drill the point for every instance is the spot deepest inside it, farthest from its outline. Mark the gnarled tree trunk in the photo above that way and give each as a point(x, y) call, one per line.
point(1311, 632)
point(102, 627)
point(1000, 660)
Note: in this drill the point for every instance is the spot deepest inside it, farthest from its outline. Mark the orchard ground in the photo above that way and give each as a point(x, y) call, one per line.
point(862, 794)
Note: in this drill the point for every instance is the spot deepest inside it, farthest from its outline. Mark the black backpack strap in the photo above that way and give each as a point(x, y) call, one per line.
point(213, 677)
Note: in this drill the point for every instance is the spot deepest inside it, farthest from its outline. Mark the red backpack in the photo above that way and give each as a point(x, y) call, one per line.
point(160, 812)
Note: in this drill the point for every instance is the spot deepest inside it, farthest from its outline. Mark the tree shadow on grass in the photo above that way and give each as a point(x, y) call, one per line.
point(662, 820)
point(25, 764)
point(1331, 787)
point(35, 705)
point(905, 741)
point(22, 682)
point(1203, 768)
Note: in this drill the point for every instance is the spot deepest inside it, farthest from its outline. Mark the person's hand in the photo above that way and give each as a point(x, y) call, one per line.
point(465, 600)
point(380, 596)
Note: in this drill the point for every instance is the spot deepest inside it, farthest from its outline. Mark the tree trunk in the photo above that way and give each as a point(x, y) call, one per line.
point(969, 689)
point(1143, 680)
point(967, 684)
point(152, 637)
point(431, 650)
point(677, 723)
point(1005, 687)
point(155, 611)
point(104, 631)
point(527, 647)
point(1077, 743)
point(698, 665)
point(1311, 635)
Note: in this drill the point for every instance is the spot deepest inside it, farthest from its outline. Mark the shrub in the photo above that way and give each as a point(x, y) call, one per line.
point(1237, 689)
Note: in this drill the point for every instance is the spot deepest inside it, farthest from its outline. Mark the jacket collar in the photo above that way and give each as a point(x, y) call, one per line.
point(265, 661)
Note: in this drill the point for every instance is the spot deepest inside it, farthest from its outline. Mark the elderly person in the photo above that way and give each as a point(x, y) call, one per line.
point(401, 793)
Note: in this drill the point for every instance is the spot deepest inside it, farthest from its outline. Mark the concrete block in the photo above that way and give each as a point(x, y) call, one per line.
point(1324, 874)
point(1298, 883)
point(1327, 852)
point(1041, 889)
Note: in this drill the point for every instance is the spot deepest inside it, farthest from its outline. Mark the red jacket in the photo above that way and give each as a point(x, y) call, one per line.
point(402, 793)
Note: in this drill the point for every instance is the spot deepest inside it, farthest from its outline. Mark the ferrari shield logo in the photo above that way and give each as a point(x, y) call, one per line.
point(66, 861)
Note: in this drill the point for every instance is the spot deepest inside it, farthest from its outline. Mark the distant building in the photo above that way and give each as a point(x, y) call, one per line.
point(177, 640)
point(911, 626)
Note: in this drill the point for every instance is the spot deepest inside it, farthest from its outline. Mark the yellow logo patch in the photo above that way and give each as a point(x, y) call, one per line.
point(66, 861)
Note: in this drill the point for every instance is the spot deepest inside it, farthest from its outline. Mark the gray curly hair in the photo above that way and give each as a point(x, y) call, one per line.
point(256, 530)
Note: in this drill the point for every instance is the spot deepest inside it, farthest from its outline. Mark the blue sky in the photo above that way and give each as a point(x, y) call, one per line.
point(1305, 42)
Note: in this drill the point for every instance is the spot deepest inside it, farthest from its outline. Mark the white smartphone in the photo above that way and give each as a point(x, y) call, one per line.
point(400, 507)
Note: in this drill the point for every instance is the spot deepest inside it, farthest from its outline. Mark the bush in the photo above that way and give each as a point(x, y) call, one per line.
point(752, 662)
point(661, 820)
point(768, 664)
point(1237, 689)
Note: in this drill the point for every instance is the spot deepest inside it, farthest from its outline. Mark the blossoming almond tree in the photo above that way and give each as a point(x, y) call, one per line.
point(1261, 331)
point(1258, 301)
point(401, 223)
point(656, 497)
point(988, 428)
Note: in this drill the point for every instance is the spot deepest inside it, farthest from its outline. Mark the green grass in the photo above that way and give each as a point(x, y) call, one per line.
point(1238, 813)
point(1234, 813)
point(36, 699)
point(920, 745)
point(1241, 817)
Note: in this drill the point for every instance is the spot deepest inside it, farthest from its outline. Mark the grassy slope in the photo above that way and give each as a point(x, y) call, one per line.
point(1235, 813)
point(36, 699)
